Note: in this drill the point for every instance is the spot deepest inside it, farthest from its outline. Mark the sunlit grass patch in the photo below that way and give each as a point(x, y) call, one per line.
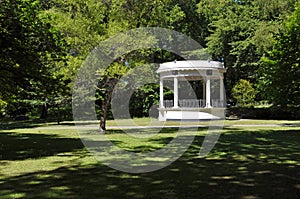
point(247, 160)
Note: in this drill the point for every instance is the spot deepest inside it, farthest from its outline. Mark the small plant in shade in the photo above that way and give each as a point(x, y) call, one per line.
point(3, 105)
point(243, 93)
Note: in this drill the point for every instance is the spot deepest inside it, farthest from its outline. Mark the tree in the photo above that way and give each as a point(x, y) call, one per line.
point(279, 78)
point(109, 18)
point(241, 32)
point(237, 32)
point(130, 14)
point(30, 47)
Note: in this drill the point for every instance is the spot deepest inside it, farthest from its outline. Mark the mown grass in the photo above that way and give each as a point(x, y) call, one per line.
point(154, 122)
point(247, 162)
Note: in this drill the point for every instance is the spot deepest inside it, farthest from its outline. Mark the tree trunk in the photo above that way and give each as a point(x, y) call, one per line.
point(102, 127)
point(104, 107)
point(44, 111)
point(58, 115)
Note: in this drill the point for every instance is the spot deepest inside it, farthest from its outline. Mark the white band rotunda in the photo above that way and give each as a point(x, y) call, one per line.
point(185, 105)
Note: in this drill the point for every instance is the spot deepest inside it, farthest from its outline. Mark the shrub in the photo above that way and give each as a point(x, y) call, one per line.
point(243, 93)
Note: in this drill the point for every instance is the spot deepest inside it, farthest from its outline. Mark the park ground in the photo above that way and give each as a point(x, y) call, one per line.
point(252, 159)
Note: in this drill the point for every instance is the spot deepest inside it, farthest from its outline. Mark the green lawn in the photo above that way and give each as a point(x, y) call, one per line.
point(152, 121)
point(247, 162)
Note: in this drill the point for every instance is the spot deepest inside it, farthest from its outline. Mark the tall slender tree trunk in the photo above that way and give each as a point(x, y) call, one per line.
point(103, 116)
point(44, 111)
point(104, 107)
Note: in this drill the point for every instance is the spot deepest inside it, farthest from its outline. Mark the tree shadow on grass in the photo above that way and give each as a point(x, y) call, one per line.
point(4, 125)
point(261, 164)
point(16, 146)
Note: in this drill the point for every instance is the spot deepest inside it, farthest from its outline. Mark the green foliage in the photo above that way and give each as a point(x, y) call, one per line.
point(30, 50)
point(241, 33)
point(280, 76)
point(3, 105)
point(144, 100)
point(83, 25)
point(243, 93)
point(129, 14)
point(28, 46)
point(247, 34)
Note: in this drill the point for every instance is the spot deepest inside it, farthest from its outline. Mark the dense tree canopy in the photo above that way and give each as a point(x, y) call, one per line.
point(257, 40)
point(30, 47)
point(29, 44)
point(241, 33)
point(281, 71)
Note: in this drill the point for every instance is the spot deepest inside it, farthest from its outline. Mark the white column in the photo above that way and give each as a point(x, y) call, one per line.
point(175, 92)
point(208, 105)
point(204, 89)
point(222, 91)
point(161, 93)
